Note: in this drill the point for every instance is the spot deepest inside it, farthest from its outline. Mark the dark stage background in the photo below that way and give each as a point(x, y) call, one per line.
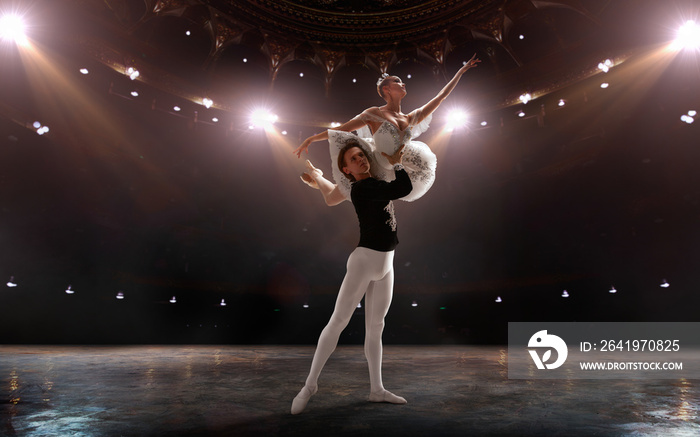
point(125, 195)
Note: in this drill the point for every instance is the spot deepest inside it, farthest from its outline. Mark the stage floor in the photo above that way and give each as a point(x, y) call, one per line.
point(248, 390)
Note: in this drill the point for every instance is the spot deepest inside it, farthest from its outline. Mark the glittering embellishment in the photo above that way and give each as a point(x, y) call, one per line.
point(392, 218)
point(416, 166)
point(419, 161)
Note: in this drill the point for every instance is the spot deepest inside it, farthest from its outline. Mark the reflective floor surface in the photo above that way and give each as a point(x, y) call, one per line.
point(247, 390)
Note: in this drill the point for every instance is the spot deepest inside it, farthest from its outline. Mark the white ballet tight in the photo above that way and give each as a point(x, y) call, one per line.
point(369, 273)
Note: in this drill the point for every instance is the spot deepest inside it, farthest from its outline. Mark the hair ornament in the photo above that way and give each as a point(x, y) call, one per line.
point(384, 76)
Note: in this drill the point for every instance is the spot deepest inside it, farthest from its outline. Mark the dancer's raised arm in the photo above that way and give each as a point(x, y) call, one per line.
point(430, 107)
point(348, 126)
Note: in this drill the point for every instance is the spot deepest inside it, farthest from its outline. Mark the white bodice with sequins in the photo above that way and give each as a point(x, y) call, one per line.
point(420, 162)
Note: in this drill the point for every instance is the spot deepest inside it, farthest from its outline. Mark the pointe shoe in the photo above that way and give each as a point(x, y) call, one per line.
point(308, 180)
point(387, 396)
point(313, 171)
point(309, 177)
point(300, 401)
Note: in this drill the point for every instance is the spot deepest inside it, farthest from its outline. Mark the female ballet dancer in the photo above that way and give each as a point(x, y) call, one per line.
point(370, 270)
point(388, 129)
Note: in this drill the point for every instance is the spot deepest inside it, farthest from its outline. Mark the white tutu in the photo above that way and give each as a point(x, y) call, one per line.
point(420, 162)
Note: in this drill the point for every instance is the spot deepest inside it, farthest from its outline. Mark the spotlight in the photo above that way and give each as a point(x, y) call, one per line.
point(456, 118)
point(262, 118)
point(525, 98)
point(665, 284)
point(12, 29)
point(120, 295)
point(135, 93)
point(604, 85)
point(36, 125)
point(335, 124)
point(565, 294)
point(284, 132)
point(245, 60)
point(306, 305)
point(499, 300)
point(414, 304)
point(688, 36)
point(207, 102)
point(484, 123)
point(84, 71)
point(188, 33)
point(354, 80)
point(173, 300)
point(408, 76)
point(521, 37)
point(177, 108)
point(359, 305)
point(562, 102)
point(42, 130)
point(687, 119)
point(132, 73)
point(605, 66)
point(612, 290)
point(223, 303)
point(11, 283)
point(301, 74)
point(521, 114)
point(215, 120)
point(69, 290)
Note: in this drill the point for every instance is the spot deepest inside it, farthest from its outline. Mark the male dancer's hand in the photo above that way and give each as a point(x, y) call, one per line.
point(396, 157)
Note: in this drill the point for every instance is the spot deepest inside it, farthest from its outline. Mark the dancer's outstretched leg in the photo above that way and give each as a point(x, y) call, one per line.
point(313, 177)
point(359, 275)
point(377, 302)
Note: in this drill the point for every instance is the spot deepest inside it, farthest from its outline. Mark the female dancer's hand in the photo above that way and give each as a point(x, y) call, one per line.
point(303, 148)
point(396, 157)
point(473, 62)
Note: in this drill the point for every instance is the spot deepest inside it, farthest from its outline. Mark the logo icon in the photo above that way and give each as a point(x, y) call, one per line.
point(543, 340)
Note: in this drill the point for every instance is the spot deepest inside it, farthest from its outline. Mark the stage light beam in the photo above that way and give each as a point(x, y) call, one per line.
point(688, 36)
point(263, 119)
point(455, 119)
point(12, 29)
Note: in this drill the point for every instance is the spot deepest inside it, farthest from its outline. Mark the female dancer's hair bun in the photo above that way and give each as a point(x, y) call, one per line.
point(381, 79)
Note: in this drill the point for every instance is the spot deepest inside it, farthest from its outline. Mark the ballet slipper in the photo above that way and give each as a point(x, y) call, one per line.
point(309, 177)
point(308, 180)
point(300, 401)
point(313, 171)
point(386, 396)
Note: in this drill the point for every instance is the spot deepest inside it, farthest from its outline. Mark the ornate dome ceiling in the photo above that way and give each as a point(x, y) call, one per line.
point(376, 36)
